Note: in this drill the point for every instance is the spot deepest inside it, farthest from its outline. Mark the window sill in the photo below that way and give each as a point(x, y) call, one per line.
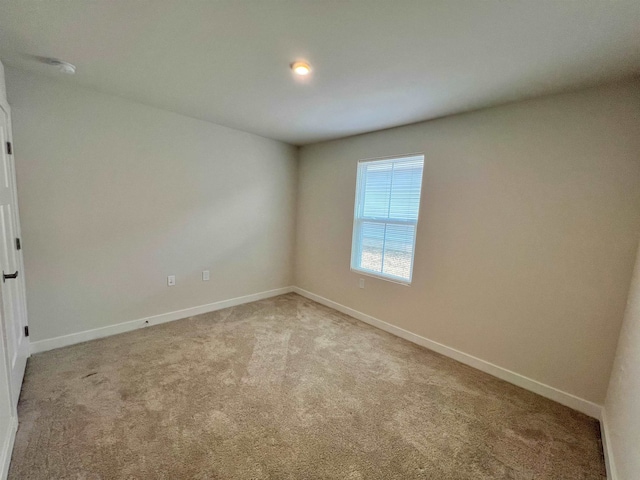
point(368, 273)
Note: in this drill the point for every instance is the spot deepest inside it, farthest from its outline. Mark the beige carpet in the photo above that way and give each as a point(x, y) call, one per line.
point(285, 389)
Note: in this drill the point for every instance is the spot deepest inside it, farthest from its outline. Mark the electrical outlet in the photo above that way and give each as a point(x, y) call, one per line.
point(171, 280)
point(205, 275)
point(361, 283)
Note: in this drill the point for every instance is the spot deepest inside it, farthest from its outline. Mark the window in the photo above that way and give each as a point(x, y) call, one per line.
point(386, 217)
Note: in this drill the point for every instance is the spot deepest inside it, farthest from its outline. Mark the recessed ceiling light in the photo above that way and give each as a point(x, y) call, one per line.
point(301, 68)
point(64, 67)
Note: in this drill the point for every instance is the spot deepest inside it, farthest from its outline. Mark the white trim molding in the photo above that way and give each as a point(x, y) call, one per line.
point(84, 336)
point(589, 408)
point(607, 447)
point(7, 447)
point(564, 398)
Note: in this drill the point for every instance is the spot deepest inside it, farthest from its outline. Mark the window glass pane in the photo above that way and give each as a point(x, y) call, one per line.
point(372, 246)
point(377, 189)
point(405, 192)
point(398, 250)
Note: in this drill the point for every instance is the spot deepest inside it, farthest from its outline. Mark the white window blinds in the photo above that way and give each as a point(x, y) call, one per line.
point(386, 217)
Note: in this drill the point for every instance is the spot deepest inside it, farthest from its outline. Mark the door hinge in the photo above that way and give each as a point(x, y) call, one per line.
point(26, 330)
point(9, 148)
point(18, 244)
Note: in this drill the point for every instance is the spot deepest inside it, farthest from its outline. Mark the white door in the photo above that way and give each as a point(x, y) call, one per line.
point(12, 286)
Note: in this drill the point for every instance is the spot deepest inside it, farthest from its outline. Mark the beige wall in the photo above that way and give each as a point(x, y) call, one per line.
point(114, 196)
point(622, 407)
point(529, 224)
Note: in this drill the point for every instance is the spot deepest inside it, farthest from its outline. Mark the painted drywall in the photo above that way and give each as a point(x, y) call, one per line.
point(622, 406)
point(115, 196)
point(376, 63)
point(529, 223)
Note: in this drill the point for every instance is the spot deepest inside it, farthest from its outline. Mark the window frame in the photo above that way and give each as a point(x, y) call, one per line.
point(356, 246)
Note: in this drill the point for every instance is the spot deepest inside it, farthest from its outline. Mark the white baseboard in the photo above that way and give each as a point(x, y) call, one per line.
point(73, 338)
point(606, 447)
point(7, 447)
point(571, 401)
point(567, 399)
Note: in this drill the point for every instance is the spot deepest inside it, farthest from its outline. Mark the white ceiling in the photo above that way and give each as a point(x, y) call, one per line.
point(377, 63)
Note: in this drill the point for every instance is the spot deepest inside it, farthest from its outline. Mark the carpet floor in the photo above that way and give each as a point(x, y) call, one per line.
point(285, 388)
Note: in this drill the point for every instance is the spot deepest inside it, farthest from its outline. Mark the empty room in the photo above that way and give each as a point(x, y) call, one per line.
point(319, 239)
